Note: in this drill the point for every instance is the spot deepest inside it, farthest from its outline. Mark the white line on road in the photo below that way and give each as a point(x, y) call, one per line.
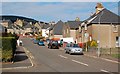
point(63, 56)
point(80, 63)
point(104, 71)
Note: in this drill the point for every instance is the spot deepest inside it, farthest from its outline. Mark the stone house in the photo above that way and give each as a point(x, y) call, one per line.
point(103, 27)
point(58, 30)
point(73, 30)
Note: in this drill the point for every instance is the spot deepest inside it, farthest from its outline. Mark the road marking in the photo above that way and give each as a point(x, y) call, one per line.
point(29, 58)
point(80, 63)
point(104, 71)
point(63, 56)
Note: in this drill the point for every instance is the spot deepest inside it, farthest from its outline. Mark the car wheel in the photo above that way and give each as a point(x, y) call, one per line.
point(70, 53)
point(66, 52)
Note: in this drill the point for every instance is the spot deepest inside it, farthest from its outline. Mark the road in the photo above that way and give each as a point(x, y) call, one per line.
point(55, 60)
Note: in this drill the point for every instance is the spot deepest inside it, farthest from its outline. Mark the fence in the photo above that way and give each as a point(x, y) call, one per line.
point(104, 51)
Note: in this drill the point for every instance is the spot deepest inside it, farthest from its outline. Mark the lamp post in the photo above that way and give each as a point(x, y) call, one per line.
point(98, 41)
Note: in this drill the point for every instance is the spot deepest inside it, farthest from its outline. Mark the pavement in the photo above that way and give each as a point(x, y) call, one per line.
point(103, 57)
point(21, 60)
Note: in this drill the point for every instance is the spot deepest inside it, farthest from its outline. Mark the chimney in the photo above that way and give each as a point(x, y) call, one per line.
point(77, 19)
point(99, 7)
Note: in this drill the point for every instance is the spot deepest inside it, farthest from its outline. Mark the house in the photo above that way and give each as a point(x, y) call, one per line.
point(58, 30)
point(27, 28)
point(103, 27)
point(37, 24)
point(19, 22)
point(73, 30)
point(5, 23)
point(45, 30)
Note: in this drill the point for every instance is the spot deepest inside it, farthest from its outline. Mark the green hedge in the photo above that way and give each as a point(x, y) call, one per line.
point(8, 48)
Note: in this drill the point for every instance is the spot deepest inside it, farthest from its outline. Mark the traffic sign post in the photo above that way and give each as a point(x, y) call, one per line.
point(86, 36)
point(98, 52)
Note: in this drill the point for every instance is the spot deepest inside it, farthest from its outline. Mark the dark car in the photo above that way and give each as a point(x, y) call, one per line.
point(53, 44)
point(41, 43)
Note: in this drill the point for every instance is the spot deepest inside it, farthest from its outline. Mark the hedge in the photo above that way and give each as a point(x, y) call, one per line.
point(8, 48)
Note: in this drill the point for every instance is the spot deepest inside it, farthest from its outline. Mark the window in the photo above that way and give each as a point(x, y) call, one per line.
point(115, 28)
point(117, 42)
point(67, 31)
point(64, 31)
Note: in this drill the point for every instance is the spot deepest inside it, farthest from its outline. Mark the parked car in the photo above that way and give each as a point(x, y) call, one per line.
point(73, 49)
point(53, 44)
point(35, 41)
point(41, 43)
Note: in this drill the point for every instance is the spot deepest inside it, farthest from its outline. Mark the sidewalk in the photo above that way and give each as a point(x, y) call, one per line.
point(103, 57)
point(21, 60)
point(95, 55)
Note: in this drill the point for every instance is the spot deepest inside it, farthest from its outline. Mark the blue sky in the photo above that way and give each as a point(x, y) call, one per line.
point(54, 11)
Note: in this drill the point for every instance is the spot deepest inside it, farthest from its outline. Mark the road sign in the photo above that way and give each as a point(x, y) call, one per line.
point(86, 35)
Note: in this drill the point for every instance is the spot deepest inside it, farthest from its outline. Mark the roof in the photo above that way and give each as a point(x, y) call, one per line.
point(104, 16)
point(51, 27)
point(45, 26)
point(74, 24)
point(58, 28)
point(27, 26)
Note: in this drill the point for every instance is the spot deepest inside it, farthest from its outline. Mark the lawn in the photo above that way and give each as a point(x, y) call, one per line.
point(116, 55)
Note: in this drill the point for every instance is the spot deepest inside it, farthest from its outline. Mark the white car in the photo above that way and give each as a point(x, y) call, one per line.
point(73, 49)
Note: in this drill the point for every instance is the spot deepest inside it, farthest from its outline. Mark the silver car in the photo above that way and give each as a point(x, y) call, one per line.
point(73, 49)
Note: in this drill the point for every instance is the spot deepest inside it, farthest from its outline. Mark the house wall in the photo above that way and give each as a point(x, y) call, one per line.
point(66, 31)
point(104, 33)
point(73, 34)
point(28, 30)
point(5, 24)
point(58, 36)
point(19, 22)
point(10, 30)
point(45, 32)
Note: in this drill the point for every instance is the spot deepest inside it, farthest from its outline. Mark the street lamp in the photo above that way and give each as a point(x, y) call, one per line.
point(98, 41)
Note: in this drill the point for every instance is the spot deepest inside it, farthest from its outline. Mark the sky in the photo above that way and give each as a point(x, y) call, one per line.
point(54, 11)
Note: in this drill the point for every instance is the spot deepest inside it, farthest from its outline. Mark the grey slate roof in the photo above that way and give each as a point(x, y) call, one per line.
point(105, 16)
point(51, 27)
point(58, 28)
point(27, 26)
point(45, 26)
point(74, 24)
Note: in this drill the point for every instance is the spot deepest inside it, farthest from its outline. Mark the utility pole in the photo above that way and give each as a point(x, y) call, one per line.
point(98, 41)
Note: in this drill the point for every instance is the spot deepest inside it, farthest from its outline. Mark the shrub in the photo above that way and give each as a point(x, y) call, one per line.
point(7, 55)
point(8, 48)
point(93, 43)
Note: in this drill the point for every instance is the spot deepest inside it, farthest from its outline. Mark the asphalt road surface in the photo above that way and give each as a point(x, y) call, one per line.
point(55, 60)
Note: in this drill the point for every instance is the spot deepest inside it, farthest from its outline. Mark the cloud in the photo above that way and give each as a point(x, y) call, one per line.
point(51, 11)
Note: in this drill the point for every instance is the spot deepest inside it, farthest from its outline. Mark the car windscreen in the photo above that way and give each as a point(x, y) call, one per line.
point(75, 45)
point(41, 42)
point(55, 42)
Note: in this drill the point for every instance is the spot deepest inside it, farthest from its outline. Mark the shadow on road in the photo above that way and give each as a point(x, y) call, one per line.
point(20, 55)
point(19, 52)
point(19, 58)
